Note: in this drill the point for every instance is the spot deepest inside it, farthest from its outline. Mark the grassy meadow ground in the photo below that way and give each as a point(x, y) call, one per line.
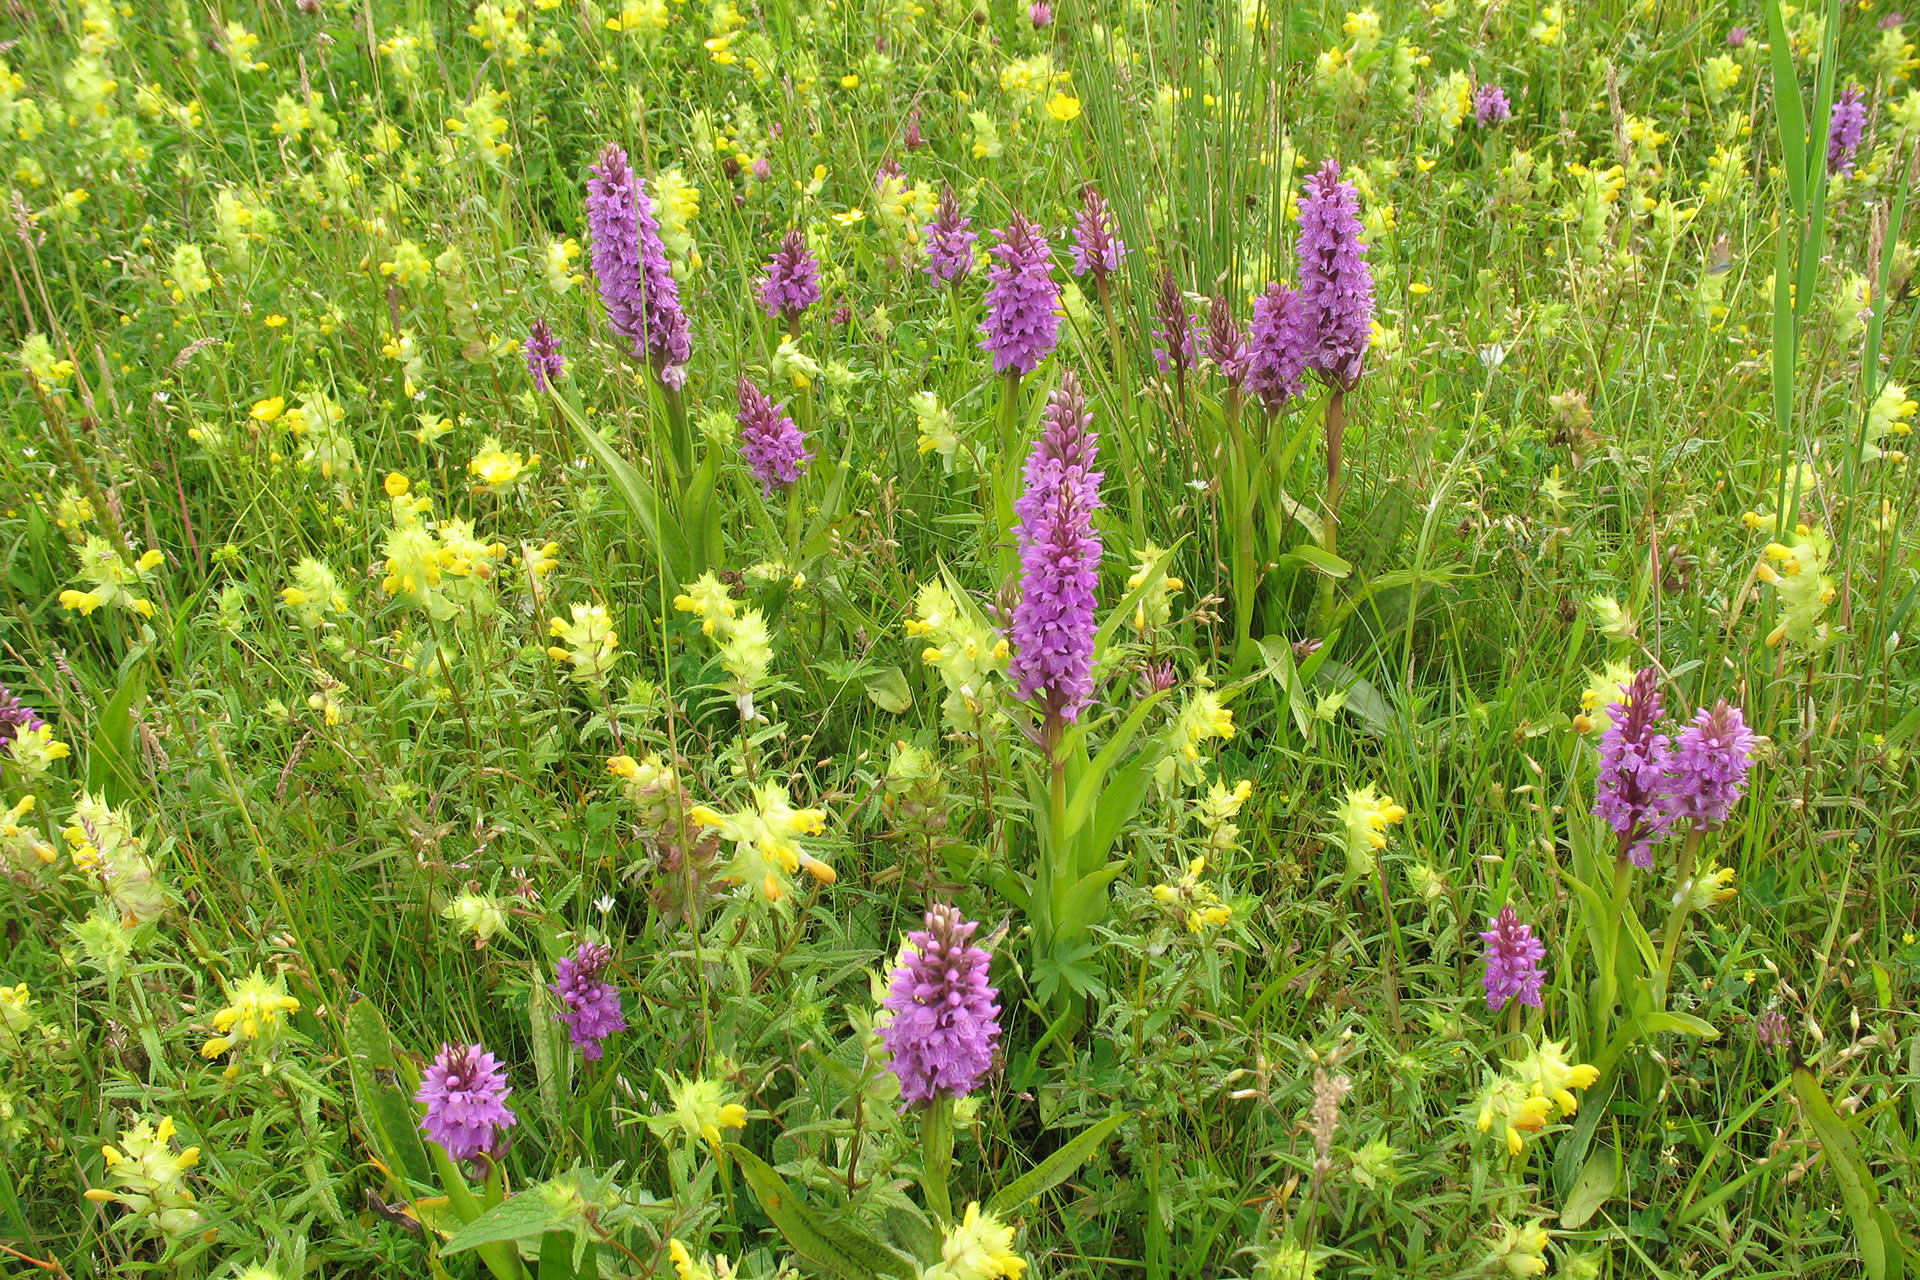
point(378, 681)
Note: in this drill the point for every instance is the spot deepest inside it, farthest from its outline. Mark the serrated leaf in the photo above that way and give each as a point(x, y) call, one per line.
point(1056, 1168)
point(516, 1218)
point(383, 1087)
point(551, 1062)
point(833, 1247)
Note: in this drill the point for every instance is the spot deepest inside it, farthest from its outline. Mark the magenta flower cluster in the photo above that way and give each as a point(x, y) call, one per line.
point(592, 1004)
point(950, 241)
point(1711, 759)
point(16, 717)
point(1174, 348)
point(1277, 347)
point(1226, 341)
point(1053, 624)
point(542, 352)
point(1021, 328)
point(1649, 787)
point(1490, 105)
point(946, 1015)
point(1336, 288)
point(630, 264)
point(792, 282)
point(770, 442)
point(1513, 961)
point(465, 1092)
point(1844, 132)
point(1097, 247)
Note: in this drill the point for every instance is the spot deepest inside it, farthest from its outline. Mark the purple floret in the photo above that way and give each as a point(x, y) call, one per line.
point(1336, 288)
point(1710, 764)
point(592, 1004)
point(1844, 133)
point(946, 1015)
point(1226, 341)
point(465, 1092)
point(950, 241)
point(1634, 759)
point(1097, 248)
point(1513, 961)
point(1021, 328)
point(1174, 349)
point(630, 264)
point(1054, 625)
point(792, 282)
point(769, 440)
point(1490, 105)
point(16, 717)
point(542, 350)
point(1277, 347)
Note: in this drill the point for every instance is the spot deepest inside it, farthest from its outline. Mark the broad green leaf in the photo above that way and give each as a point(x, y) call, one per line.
point(1789, 114)
point(889, 691)
point(830, 1247)
point(1880, 1255)
point(1125, 792)
point(1089, 784)
point(1086, 900)
point(634, 490)
point(1278, 651)
point(520, 1217)
point(1056, 1168)
point(110, 767)
point(1324, 561)
point(1593, 1188)
point(1362, 698)
point(383, 1086)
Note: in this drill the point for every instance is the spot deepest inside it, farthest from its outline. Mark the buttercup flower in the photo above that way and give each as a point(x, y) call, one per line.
point(496, 470)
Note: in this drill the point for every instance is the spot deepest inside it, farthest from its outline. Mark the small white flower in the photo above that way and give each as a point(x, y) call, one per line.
point(1493, 355)
point(603, 903)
